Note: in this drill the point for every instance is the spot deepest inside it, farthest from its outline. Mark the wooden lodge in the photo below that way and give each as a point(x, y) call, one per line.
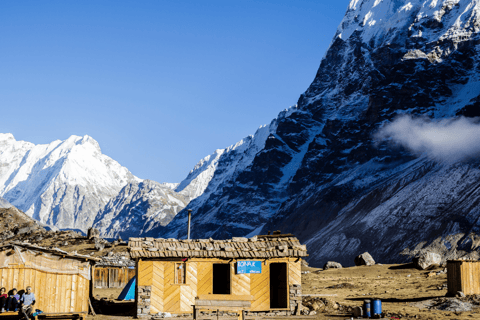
point(463, 275)
point(59, 280)
point(259, 274)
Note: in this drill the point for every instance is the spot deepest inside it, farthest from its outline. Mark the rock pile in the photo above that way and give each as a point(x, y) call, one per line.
point(117, 259)
point(93, 233)
point(315, 305)
point(332, 265)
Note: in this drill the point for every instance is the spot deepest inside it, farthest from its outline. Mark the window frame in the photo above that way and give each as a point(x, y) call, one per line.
point(176, 267)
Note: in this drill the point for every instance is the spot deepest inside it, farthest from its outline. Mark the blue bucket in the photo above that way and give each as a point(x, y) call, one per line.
point(367, 308)
point(377, 307)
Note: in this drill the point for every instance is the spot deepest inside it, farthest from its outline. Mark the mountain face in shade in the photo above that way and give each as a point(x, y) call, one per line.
point(316, 170)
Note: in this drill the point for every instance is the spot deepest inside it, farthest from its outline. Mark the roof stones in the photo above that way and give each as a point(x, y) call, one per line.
point(237, 247)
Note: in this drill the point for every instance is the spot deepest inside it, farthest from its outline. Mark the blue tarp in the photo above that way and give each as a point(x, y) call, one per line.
point(128, 293)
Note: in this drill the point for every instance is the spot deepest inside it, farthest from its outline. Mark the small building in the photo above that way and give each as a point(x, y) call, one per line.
point(59, 280)
point(112, 276)
point(171, 273)
point(463, 275)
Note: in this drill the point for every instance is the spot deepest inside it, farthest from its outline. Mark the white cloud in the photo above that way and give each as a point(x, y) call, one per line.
point(446, 140)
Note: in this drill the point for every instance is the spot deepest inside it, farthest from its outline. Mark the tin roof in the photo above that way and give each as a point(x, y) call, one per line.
point(271, 246)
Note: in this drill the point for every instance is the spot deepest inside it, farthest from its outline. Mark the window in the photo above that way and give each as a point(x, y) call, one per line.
point(221, 278)
point(180, 273)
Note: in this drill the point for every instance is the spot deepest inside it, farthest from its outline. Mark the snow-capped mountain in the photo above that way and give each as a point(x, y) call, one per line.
point(317, 170)
point(67, 183)
point(139, 207)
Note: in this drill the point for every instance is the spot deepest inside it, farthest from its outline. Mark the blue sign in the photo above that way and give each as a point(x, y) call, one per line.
point(249, 267)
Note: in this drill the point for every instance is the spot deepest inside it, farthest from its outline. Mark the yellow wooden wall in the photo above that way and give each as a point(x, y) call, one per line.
point(463, 276)
point(179, 298)
point(53, 292)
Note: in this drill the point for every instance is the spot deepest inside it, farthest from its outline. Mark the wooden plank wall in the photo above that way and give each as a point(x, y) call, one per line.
point(179, 298)
point(260, 289)
point(463, 276)
point(470, 273)
point(172, 292)
point(112, 277)
point(240, 282)
point(188, 292)
point(53, 292)
point(294, 272)
point(158, 286)
point(145, 273)
point(205, 278)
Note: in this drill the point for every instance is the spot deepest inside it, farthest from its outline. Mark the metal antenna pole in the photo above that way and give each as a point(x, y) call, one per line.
point(189, 219)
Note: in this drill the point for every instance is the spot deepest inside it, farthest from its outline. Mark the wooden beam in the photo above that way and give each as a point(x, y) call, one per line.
point(226, 297)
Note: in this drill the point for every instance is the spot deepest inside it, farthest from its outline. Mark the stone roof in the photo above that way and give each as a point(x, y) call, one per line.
point(270, 246)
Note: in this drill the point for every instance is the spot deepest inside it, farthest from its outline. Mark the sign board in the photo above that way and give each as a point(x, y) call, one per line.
point(249, 267)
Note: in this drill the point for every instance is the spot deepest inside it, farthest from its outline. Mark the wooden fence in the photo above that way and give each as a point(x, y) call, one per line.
point(112, 277)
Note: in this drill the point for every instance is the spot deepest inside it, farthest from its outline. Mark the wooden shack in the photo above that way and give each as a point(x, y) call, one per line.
point(111, 276)
point(59, 280)
point(463, 275)
point(171, 273)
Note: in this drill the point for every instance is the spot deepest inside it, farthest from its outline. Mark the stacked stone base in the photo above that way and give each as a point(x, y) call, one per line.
point(144, 294)
point(295, 299)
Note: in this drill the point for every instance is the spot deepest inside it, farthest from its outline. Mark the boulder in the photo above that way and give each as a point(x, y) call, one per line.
point(365, 259)
point(427, 260)
point(332, 265)
point(99, 245)
point(93, 233)
point(357, 312)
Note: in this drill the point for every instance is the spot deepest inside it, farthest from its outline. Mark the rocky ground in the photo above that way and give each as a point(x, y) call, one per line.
point(406, 292)
point(16, 226)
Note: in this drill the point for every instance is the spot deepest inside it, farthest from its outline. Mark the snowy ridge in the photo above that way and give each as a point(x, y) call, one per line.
point(64, 183)
point(381, 21)
point(138, 208)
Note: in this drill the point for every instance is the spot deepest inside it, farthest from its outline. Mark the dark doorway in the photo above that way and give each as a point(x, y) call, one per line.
point(221, 278)
point(278, 286)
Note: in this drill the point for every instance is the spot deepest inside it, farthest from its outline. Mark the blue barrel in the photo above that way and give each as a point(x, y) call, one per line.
point(367, 308)
point(377, 307)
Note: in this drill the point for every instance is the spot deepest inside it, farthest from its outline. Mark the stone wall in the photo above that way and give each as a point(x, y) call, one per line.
point(143, 303)
point(295, 298)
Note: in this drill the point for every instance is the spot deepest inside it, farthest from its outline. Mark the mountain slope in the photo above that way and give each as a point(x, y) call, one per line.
point(64, 183)
point(70, 184)
point(318, 171)
point(139, 207)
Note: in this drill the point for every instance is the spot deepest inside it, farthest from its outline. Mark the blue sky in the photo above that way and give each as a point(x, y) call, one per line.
point(159, 84)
